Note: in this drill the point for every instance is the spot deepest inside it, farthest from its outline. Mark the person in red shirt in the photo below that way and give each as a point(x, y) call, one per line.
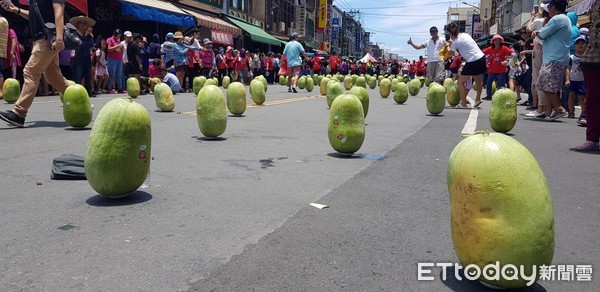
point(241, 66)
point(334, 63)
point(316, 64)
point(412, 69)
point(421, 67)
point(456, 62)
point(230, 61)
point(270, 68)
point(497, 62)
point(221, 64)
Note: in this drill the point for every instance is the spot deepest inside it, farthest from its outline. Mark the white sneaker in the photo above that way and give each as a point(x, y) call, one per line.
point(531, 114)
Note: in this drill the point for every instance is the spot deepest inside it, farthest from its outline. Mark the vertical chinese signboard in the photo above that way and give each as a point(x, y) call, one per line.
point(322, 15)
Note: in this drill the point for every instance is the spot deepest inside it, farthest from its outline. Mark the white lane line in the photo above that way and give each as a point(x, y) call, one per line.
point(471, 123)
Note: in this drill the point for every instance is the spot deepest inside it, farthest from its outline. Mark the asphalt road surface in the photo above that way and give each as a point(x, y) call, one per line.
point(234, 213)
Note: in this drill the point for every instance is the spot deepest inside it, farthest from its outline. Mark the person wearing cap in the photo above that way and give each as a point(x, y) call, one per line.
point(590, 66)
point(171, 80)
point(207, 58)
point(435, 64)
point(475, 64)
point(575, 82)
point(556, 35)
point(221, 62)
point(128, 39)
point(293, 51)
point(242, 63)
point(134, 66)
point(83, 60)
point(179, 56)
point(230, 60)
point(166, 49)
point(497, 63)
point(44, 56)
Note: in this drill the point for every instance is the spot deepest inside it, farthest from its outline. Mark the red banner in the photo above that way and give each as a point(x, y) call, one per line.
point(221, 37)
point(81, 5)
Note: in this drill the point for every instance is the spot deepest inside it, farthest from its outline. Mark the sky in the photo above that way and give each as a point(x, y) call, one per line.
point(394, 21)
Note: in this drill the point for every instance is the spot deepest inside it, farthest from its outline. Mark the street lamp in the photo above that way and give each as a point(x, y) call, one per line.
point(476, 7)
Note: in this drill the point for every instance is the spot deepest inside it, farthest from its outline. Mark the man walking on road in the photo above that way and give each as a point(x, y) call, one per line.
point(44, 56)
point(435, 64)
point(292, 51)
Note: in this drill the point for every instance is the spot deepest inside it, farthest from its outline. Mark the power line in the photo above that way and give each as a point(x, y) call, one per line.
point(407, 6)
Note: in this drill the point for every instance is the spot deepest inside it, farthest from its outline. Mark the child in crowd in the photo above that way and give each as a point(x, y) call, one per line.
point(575, 81)
point(101, 69)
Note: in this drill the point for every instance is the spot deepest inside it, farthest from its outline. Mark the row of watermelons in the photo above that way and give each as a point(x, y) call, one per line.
point(517, 229)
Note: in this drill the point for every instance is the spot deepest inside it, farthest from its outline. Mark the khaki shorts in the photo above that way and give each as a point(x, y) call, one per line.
point(436, 71)
point(293, 71)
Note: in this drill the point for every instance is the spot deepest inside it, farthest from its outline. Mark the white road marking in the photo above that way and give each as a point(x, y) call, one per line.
point(471, 123)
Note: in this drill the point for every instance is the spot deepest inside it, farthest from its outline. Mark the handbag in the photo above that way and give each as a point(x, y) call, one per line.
point(70, 37)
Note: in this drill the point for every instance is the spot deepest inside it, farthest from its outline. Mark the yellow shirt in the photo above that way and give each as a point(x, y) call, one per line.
point(3, 37)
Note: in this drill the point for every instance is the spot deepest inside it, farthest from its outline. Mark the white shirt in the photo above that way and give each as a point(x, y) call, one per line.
point(537, 24)
point(467, 48)
point(433, 50)
point(125, 60)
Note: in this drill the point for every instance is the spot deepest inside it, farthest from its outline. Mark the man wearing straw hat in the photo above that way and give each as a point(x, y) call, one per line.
point(44, 56)
point(83, 60)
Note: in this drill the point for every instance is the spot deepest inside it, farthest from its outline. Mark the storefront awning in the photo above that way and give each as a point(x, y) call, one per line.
point(256, 33)
point(214, 22)
point(581, 7)
point(156, 10)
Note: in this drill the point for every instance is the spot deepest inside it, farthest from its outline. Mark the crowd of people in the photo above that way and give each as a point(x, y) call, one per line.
point(545, 63)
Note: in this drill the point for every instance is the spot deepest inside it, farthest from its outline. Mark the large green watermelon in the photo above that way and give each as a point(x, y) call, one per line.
point(163, 95)
point(310, 84)
point(226, 81)
point(118, 153)
point(361, 81)
point(498, 214)
point(236, 98)
point(348, 82)
point(198, 83)
point(133, 87)
point(453, 95)
point(503, 111)
point(384, 87)
point(401, 93)
point(77, 109)
point(334, 88)
point(11, 90)
point(257, 92)
point(323, 86)
point(61, 95)
point(302, 82)
point(414, 86)
point(346, 129)
point(211, 111)
point(436, 98)
point(363, 96)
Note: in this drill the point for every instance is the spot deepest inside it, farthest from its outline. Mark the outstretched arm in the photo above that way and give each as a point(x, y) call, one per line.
point(417, 47)
point(14, 9)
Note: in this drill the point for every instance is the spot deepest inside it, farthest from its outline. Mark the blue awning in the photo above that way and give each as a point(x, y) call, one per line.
point(159, 11)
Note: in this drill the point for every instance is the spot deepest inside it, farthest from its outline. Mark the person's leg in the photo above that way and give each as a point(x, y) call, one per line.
point(120, 71)
point(571, 104)
point(488, 84)
point(112, 72)
point(42, 60)
point(462, 89)
point(479, 80)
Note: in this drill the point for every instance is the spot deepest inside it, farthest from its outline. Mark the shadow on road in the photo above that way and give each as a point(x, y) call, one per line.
point(344, 156)
point(77, 129)
point(467, 285)
point(210, 139)
point(133, 198)
point(48, 124)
